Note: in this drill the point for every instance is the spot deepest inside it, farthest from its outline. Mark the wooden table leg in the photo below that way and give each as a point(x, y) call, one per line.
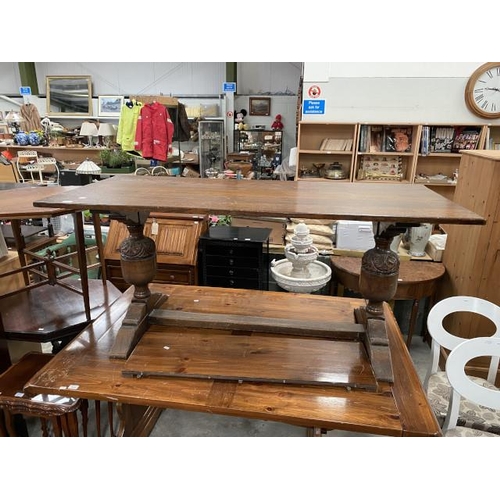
point(413, 320)
point(138, 264)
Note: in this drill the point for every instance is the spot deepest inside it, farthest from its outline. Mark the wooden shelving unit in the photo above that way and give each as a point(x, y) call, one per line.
point(382, 157)
point(434, 167)
point(325, 143)
point(437, 165)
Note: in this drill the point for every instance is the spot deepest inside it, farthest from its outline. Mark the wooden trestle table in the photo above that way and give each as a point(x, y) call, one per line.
point(320, 362)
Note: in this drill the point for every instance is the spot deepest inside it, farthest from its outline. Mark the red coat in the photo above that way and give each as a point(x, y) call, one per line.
point(154, 132)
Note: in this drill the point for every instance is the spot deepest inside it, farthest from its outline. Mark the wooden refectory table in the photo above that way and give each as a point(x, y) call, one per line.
point(392, 208)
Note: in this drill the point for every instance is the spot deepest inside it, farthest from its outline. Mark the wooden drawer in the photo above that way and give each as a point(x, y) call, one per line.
point(177, 275)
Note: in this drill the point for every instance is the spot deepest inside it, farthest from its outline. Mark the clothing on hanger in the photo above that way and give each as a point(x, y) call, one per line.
point(154, 132)
point(31, 117)
point(127, 125)
point(180, 119)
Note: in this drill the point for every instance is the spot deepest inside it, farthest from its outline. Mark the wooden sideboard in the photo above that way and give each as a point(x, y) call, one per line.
point(176, 237)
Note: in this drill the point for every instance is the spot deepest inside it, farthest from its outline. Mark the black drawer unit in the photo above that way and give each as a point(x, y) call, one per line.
point(233, 257)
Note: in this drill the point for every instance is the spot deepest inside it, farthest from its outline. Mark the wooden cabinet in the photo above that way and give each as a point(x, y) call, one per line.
point(320, 144)
point(471, 256)
point(176, 237)
point(233, 257)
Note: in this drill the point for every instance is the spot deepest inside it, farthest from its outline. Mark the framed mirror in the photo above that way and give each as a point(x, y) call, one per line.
point(69, 95)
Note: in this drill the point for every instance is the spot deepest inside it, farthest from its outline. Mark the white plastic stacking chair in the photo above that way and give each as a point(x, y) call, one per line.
point(465, 388)
point(436, 382)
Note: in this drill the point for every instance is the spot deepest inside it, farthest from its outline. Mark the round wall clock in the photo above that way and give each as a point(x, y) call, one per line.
point(482, 93)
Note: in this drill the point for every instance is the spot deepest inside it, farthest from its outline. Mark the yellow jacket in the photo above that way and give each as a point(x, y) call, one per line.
point(127, 125)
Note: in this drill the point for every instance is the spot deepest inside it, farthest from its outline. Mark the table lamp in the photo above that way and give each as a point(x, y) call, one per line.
point(107, 131)
point(89, 168)
point(89, 129)
point(14, 120)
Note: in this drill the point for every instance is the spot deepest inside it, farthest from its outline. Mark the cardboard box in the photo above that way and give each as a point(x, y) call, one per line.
point(354, 235)
point(190, 172)
point(435, 248)
point(277, 226)
point(436, 245)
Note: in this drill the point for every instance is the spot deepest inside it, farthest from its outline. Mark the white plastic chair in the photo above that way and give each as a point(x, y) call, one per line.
point(436, 382)
point(464, 388)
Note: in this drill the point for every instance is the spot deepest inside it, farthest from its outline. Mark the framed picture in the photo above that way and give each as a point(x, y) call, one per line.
point(110, 105)
point(4, 128)
point(260, 106)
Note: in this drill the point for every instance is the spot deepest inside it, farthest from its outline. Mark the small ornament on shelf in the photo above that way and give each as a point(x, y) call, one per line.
point(277, 124)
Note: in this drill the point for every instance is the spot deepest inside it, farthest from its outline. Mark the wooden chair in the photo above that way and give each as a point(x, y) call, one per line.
point(466, 390)
point(57, 414)
point(436, 382)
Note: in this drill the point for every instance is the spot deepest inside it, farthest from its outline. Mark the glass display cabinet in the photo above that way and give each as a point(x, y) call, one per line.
point(266, 146)
point(212, 147)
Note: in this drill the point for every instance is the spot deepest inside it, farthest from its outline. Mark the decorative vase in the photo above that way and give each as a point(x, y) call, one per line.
point(419, 236)
point(22, 138)
point(33, 139)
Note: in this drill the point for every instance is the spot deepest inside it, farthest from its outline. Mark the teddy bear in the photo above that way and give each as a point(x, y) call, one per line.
point(277, 124)
point(239, 120)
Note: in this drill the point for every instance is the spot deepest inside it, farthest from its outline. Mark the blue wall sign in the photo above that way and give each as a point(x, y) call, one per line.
point(313, 107)
point(229, 87)
point(25, 90)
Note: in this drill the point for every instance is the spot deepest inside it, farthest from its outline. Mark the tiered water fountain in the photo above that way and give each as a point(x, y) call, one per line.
point(301, 271)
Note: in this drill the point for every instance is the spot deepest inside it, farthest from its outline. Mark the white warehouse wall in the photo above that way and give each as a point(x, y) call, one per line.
point(392, 92)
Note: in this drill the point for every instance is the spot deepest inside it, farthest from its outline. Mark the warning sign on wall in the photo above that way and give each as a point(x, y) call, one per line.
point(314, 91)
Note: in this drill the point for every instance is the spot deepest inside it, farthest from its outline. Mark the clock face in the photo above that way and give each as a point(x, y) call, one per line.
point(482, 93)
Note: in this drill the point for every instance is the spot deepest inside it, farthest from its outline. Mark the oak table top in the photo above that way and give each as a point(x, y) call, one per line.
point(84, 369)
point(407, 203)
